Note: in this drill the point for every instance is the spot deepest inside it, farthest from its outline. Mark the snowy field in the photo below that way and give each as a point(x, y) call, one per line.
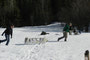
point(73, 49)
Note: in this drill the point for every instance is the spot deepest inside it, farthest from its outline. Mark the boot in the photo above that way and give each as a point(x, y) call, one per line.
point(58, 39)
point(65, 40)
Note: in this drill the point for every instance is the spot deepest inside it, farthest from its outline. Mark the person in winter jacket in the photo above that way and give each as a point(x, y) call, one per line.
point(65, 31)
point(70, 29)
point(75, 31)
point(8, 31)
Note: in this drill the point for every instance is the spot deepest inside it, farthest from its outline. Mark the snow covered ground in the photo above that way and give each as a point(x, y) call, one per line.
point(73, 49)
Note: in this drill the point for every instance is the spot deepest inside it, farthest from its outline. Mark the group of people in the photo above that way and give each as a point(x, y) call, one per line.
point(8, 33)
point(68, 28)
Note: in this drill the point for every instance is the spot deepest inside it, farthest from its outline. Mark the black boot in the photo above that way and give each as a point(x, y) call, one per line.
point(58, 39)
point(65, 40)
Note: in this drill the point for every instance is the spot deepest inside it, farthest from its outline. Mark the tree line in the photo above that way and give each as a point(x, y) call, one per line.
point(42, 12)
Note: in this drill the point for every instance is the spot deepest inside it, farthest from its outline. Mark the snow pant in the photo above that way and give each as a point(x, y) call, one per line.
point(64, 36)
point(7, 39)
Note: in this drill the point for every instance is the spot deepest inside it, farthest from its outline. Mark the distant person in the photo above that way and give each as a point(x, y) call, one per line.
point(43, 33)
point(70, 29)
point(65, 32)
point(79, 30)
point(8, 31)
point(75, 31)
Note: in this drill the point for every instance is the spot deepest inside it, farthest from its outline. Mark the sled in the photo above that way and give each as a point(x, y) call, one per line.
point(31, 41)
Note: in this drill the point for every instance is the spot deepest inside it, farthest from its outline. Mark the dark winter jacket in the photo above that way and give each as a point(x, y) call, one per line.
point(66, 28)
point(8, 31)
